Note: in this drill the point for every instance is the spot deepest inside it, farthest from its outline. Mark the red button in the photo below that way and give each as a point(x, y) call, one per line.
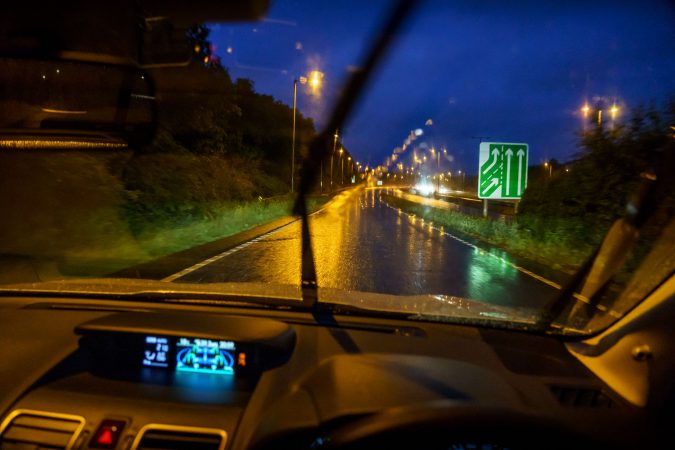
point(105, 438)
point(107, 435)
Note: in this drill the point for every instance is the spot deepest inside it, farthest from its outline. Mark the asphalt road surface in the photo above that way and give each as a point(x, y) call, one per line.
point(361, 243)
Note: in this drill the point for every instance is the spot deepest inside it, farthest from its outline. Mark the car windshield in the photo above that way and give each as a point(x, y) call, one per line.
point(508, 163)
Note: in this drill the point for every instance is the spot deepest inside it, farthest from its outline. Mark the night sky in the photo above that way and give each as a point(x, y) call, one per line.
point(510, 71)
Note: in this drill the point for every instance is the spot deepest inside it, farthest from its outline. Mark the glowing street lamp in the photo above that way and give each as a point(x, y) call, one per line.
point(438, 162)
point(314, 81)
point(342, 167)
point(585, 109)
point(614, 111)
point(550, 168)
point(335, 139)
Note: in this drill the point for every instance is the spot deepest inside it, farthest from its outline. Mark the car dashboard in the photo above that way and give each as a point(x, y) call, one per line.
point(80, 374)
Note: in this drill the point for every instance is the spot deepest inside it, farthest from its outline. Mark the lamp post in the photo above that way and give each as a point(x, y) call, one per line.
point(314, 81)
point(295, 92)
point(342, 168)
point(335, 138)
point(438, 165)
point(614, 111)
point(585, 111)
point(351, 168)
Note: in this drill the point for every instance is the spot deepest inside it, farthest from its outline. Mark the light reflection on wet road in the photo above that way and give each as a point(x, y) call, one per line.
point(362, 244)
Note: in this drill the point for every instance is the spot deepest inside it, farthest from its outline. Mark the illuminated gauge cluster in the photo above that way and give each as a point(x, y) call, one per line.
point(185, 354)
point(156, 352)
point(204, 355)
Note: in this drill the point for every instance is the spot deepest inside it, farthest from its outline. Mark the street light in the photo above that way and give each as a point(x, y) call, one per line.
point(550, 168)
point(351, 169)
point(315, 82)
point(585, 109)
point(438, 164)
point(342, 168)
point(614, 110)
point(315, 78)
point(335, 138)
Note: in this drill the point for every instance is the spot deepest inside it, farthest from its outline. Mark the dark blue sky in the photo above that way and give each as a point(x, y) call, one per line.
point(514, 71)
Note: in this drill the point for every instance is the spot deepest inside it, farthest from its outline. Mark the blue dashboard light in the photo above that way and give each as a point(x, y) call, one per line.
point(156, 352)
point(205, 356)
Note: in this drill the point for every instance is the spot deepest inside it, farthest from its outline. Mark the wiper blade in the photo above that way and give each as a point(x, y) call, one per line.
point(322, 143)
point(595, 275)
point(159, 296)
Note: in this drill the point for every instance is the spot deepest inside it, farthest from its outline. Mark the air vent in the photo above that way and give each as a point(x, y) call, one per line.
point(169, 437)
point(582, 397)
point(38, 430)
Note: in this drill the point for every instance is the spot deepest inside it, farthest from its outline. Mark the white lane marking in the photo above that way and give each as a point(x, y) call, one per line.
point(553, 284)
point(222, 255)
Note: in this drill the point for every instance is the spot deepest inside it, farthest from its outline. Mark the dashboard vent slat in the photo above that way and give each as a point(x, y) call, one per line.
point(582, 397)
point(39, 430)
point(166, 437)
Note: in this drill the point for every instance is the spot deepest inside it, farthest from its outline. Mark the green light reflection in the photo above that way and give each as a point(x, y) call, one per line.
point(490, 276)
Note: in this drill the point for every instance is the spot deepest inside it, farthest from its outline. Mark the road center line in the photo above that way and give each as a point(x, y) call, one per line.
point(222, 255)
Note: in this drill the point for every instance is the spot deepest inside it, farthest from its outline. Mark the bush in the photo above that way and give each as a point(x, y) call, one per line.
point(182, 187)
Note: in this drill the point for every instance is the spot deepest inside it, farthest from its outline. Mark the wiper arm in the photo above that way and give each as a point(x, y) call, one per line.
point(321, 146)
point(596, 273)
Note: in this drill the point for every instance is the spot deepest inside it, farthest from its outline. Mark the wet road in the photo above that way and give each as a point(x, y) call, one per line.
point(360, 243)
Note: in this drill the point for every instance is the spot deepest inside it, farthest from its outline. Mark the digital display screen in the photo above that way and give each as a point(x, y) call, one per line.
point(156, 352)
point(190, 354)
point(205, 355)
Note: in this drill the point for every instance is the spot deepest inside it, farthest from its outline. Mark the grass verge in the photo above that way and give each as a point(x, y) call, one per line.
point(562, 244)
point(163, 238)
point(225, 220)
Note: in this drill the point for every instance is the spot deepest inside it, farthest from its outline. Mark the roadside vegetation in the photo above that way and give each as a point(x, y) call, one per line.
point(562, 218)
point(552, 244)
point(220, 163)
point(225, 219)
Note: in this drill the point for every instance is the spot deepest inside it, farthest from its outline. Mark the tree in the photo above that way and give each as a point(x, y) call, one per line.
point(604, 172)
point(197, 37)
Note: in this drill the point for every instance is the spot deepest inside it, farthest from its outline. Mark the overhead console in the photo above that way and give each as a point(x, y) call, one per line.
point(169, 343)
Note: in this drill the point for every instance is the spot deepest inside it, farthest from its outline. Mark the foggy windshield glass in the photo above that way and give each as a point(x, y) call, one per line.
point(487, 158)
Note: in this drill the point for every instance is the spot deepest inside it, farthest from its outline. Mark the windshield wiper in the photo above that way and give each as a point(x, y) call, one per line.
point(321, 146)
point(159, 296)
point(591, 281)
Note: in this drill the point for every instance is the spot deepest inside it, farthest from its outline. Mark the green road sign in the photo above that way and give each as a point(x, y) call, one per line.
point(502, 170)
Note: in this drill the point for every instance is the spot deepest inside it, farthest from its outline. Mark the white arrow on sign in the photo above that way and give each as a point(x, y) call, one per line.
point(509, 154)
point(494, 182)
point(495, 155)
point(521, 153)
